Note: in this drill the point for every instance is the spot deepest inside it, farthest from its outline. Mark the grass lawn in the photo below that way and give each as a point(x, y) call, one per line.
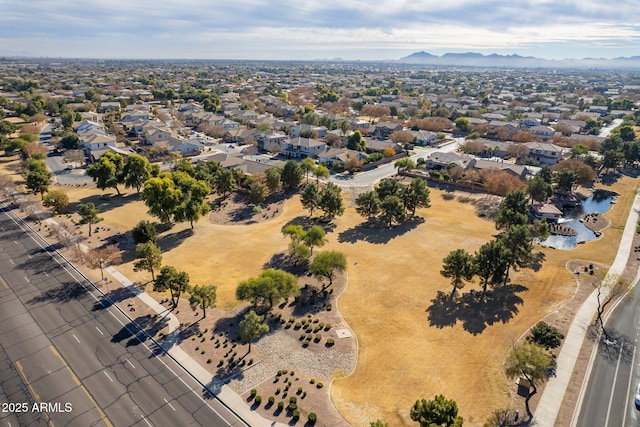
point(407, 348)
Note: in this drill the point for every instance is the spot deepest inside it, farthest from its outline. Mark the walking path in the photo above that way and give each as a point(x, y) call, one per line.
point(553, 394)
point(222, 391)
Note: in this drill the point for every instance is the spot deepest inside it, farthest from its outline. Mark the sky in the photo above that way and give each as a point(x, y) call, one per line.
point(317, 29)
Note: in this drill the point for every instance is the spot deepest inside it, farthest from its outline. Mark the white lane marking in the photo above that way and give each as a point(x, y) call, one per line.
point(98, 329)
point(613, 387)
point(146, 420)
point(46, 274)
point(15, 242)
point(105, 372)
point(29, 256)
point(170, 405)
point(129, 362)
point(11, 261)
point(629, 389)
point(76, 338)
point(27, 279)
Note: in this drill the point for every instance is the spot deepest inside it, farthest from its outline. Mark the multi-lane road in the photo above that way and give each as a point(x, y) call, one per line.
point(67, 358)
point(609, 396)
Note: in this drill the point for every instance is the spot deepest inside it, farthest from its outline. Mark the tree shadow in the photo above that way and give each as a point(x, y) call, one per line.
point(368, 234)
point(112, 297)
point(616, 346)
point(309, 221)
point(65, 292)
point(501, 306)
point(140, 330)
point(311, 300)
point(183, 332)
point(537, 259)
point(173, 240)
point(105, 202)
point(282, 261)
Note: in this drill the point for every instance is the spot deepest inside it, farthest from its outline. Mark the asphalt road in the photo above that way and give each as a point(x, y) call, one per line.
point(78, 359)
point(609, 397)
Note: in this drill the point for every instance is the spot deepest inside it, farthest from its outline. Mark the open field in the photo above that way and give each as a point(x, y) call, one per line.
point(408, 348)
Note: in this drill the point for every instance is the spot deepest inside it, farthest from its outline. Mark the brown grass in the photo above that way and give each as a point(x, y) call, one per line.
point(402, 357)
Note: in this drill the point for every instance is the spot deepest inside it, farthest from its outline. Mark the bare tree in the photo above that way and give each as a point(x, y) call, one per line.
point(608, 289)
point(101, 257)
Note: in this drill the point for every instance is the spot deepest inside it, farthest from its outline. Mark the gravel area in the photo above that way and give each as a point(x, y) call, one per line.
point(276, 350)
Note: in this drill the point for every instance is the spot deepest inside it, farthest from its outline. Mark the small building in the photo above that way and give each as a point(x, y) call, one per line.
point(546, 211)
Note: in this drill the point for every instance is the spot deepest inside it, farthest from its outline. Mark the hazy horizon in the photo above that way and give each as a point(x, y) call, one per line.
point(352, 30)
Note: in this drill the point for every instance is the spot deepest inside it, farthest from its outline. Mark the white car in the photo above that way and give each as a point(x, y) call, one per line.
point(637, 399)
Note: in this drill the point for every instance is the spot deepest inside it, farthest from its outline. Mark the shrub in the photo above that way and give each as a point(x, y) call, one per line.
point(312, 381)
point(318, 338)
point(319, 385)
point(330, 342)
point(278, 391)
point(280, 406)
point(299, 390)
point(253, 392)
point(258, 400)
point(209, 361)
point(272, 400)
point(312, 418)
point(292, 407)
point(293, 399)
point(295, 415)
point(220, 363)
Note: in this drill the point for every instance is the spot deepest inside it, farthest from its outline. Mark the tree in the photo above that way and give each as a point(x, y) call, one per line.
point(136, 171)
point(513, 210)
point(326, 264)
point(345, 126)
point(291, 175)
point(356, 142)
point(99, 257)
point(368, 204)
point(538, 189)
point(258, 192)
point(310, 197)
point(203, 297)
point(415, 195)
point(267, 288)
point(436, 413)
point(192, 205)
point(378, 423)
point(89, 214)
point(224, 182)
point(294, 231)
point(69, 141)
point(252, 328)
point(545, 336)
point(144, 232)
point(331, 201)
point(38, 177)
point(308, 165)
point(387, 187)
point(108, 171)
point(56, 199)
point(149, 258)
point(458, 266)
point(321, 171)
point(517, 239)
point(463, 124)
point(74, 156)
point(392, 210)
point(273, 178)
point(491, 262)
point(314, 236)
point(405, 163)
point(565, 180)
point(531, 362)
point(176, 282)
point(299, 252)
point(162, 197)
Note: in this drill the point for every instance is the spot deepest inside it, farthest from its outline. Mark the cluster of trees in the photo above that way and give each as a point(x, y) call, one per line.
point(327, 198)
point(512, 248)
point(303, 241)
point(392, 203)
point(622, 146)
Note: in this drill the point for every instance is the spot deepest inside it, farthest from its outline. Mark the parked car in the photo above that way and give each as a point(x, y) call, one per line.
point(638, 397)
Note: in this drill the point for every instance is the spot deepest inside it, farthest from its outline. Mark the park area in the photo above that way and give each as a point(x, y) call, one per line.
point(410, 343)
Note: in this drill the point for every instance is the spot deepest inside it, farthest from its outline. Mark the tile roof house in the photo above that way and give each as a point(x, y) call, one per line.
point(545, 153)
point(302, 147)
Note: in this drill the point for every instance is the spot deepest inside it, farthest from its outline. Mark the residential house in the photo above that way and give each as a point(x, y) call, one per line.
point(602, 110)
point(519, 171)
point(440, 160)
point(542, 132)
point(135, 116)
point(302, 147)
point(270, 140)
point(240, 136)
point(377, 146)
point(87, 125)
point(319, 131)
point(544, 152)
point(106, 107)
point(384, 129)
point(425, 137)
point(154, 134)
point(95, 139)
point(339, 156)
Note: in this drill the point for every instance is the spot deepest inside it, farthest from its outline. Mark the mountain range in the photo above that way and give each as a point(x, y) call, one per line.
point(473, 59)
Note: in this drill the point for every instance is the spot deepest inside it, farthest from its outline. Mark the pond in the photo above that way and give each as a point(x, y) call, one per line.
point(600, 201)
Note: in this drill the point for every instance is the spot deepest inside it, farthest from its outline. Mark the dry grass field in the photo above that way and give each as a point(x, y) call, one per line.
point(410, 346)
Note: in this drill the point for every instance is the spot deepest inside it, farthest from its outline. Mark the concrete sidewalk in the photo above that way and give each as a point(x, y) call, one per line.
point(554, 391)
point(223, 392)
